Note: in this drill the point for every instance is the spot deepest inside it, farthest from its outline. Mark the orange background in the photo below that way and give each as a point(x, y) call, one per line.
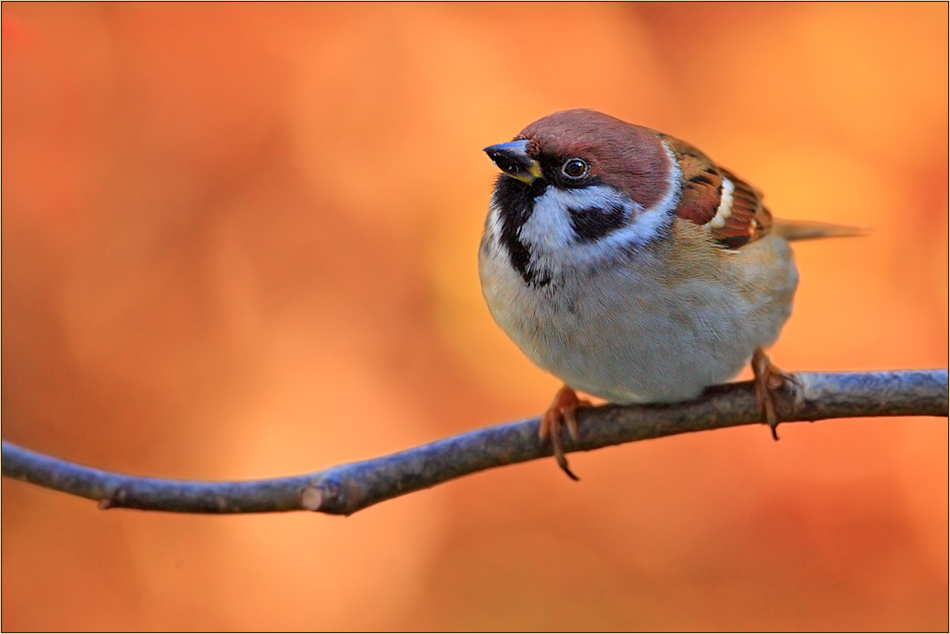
point(240, 241)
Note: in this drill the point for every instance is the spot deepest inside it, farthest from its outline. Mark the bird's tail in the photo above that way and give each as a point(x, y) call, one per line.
point(807, 230)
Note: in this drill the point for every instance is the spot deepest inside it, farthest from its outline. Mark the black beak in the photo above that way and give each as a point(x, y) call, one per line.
point(512, 158)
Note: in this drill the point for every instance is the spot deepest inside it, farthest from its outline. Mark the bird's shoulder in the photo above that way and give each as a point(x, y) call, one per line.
point(730, 208)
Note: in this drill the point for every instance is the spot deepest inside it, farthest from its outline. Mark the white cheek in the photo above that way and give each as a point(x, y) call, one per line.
point(549, 226)
point(645, 224)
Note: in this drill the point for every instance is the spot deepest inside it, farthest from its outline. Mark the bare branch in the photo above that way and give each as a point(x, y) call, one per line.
point(348, 488)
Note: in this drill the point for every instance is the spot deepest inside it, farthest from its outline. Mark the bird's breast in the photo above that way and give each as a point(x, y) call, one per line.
point(655, 328)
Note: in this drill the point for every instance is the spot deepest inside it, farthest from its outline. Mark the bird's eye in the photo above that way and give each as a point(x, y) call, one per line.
point(574, 168)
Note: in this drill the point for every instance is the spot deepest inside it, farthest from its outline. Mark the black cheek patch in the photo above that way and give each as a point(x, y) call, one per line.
point(593, 224)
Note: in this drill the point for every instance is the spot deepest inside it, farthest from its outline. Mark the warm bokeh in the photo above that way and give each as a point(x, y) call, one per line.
point(240, 241)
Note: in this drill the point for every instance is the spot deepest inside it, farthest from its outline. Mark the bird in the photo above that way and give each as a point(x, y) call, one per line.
point(634, 268)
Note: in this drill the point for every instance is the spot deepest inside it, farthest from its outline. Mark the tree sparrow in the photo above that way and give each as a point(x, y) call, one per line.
point(629, 265)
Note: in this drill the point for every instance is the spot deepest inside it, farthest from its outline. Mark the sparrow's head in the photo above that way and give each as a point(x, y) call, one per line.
point(576, 186)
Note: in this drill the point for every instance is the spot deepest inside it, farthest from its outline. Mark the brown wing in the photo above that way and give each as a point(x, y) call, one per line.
point(718, 199)
point(745, 219)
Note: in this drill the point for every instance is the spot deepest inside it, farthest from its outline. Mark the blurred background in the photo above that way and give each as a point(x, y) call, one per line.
point(239, 241)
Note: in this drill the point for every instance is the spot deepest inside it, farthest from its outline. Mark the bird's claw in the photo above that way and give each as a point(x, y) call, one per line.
point(768, 380)
point(563, 410)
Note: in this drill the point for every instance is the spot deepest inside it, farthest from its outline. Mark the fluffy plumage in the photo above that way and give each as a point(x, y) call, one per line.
point(629, 265)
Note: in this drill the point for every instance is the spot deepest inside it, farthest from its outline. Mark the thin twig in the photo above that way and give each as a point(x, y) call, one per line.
point(348, 488)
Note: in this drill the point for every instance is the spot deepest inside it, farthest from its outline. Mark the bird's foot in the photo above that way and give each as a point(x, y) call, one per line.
point(768, 380)
point(563, 410)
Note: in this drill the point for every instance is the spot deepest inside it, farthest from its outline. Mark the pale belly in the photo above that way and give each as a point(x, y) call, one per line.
point(620, 339)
